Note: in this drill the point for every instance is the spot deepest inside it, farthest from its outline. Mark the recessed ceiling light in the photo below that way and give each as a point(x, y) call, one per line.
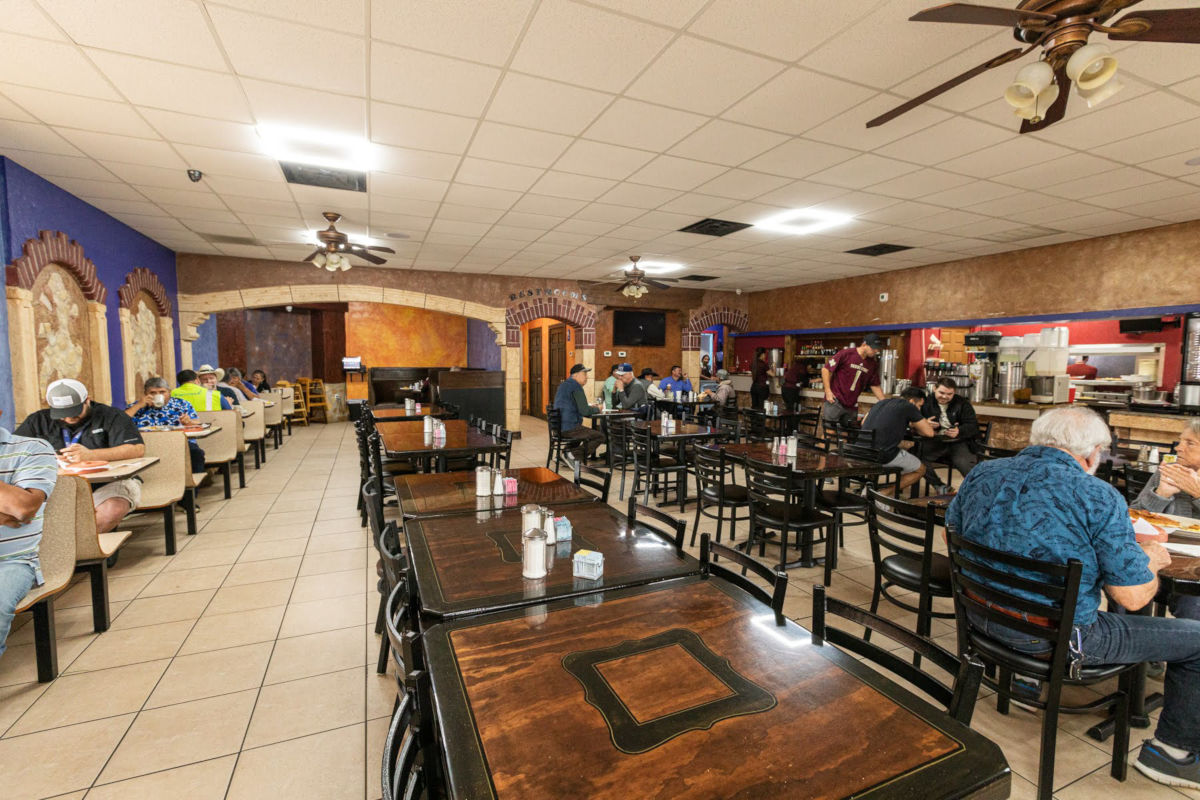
point(802, 221)
point(317, 147)
point(656, 267)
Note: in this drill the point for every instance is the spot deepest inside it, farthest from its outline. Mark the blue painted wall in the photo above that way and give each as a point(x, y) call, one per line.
point(33, 204)
point(482, 350)
point(204, 349)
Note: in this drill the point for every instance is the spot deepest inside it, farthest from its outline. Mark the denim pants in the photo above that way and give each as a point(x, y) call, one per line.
point(1132, 639)
point(16, 579)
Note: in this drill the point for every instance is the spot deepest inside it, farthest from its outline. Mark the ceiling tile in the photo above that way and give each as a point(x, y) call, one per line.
point(180, 35)
point(1156, 144)
point(228, 162)
point(578, 187)
point(518, 145)
point(676, 173)
point(107, 147)
point(592, 228)
point(743, 184)
point(541, 222)
point(921, 183)
point(863, 170)
point(603, 212)
point(94, 189)
point(346, 16)
point(1064, 168)
point(156, 84)
point(1137, 195)
point(81, 112)
point(674, 13)
point(1161, 63)
point(140, 175)
point(1019, 152)
point(34, 137)
point(649, 127)
point(602, 160)
point(702, 205)
point(798, 100)
point(798, 158)
point(557, 107)
point(228, 186)
point(415, 163)
point(544, 204)
point(411, 78)
point(782, 29)
point(849, 129)
point(497, 174)
point(1100, 183)
point(275, 50)
point(178, 198)
point(1087, 129)
point(469, 213)
point(59, 67)
point(408, 206)
point(388, 185)
point(481, 196)
point(187, 129)
point(638, 196)
point(946, 140)
point(276, 104)
point(423, 130)
point(452, 27)
point(586, 46)
point(701, 76)
point(722, 142)
point(971, 193)
point(24, 17)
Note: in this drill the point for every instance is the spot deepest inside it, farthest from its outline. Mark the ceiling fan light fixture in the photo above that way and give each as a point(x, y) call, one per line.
point(1031, 81)
point(1094, 97)
point(1091, 66)
point(319, 259)
point(1036, 110)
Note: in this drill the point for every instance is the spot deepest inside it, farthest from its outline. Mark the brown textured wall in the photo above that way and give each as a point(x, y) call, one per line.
point(231, 338)
point(398, 336)
point(328, 345)
point(661, 358)
point(1154, 267)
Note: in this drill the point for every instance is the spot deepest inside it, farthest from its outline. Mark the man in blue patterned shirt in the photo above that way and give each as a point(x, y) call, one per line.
point(158, 407)
point(28, 471)
point(1044, 503)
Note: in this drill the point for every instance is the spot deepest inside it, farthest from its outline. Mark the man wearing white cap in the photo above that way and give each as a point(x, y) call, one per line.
point(212, 378)
point(83, 430)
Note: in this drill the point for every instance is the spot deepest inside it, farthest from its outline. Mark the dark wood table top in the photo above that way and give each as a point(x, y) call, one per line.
point(684, 688)
point(758, 412)
point(472, 564)
point(402, 439)
point(816, 463)
point(447, 493)
point(395, 412)
point(680, 430)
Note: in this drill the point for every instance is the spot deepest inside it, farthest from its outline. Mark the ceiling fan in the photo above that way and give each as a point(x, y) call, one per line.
point(1061, 29)
point(635, 282)
point(336, 248)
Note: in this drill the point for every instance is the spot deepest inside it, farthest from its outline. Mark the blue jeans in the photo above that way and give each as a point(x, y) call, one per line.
point(1132, 639)
point(16, 579)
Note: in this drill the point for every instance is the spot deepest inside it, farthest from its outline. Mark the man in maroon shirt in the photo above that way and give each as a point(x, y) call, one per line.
point(846, 375)
point(1082, 369)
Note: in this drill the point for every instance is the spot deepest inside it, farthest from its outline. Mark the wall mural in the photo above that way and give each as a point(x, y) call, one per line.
point(144, 356)
point(147, 330)
point(60, 327)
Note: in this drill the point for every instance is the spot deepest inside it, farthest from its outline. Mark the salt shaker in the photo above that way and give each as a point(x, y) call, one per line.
point(482, 481)
point(428, 422)
point(791, 445)
point(498, 481)
point(533, 554)
point(548, 526)
point(1154, 455)
point(531, 516)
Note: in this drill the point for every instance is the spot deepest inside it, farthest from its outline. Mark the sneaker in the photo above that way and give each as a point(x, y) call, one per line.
point(1025, 690)
point(1156, 765)
point(1156, 670)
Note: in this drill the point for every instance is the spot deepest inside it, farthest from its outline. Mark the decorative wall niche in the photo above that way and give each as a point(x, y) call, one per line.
point(147, 330)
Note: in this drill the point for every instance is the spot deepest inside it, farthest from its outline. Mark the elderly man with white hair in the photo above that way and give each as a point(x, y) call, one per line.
point(1044, 503)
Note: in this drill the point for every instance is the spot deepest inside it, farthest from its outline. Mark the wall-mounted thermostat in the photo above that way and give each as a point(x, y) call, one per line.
point(608, 353)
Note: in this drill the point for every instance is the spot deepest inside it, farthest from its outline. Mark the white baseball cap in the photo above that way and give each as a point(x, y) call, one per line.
point(66, 398)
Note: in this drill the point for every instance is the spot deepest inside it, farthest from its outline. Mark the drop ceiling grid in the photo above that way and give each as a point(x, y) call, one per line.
point(84, 156)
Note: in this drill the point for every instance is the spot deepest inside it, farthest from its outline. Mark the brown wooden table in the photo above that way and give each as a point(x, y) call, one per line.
point(117, 470)
point(782, 423)
point(447, 493)
point(393, 412)
point(684, 688)
point(468, 565)
point(404, 440)
point(681, 433)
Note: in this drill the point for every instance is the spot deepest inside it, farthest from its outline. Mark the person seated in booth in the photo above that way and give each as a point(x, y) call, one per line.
point(198, 392)
point(239, 383)
point(28, 472)
point(572, 404)
point(158, 407)
point(631, 392)
point(1045, 503)
point(258, 379)
point(210, 378)
point(675, 381)
point(953, 416)
point(1175, 489)
point(90, 431)
point(891, 419)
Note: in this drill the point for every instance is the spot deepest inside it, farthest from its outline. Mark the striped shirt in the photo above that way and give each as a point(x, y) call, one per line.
point(28, 464)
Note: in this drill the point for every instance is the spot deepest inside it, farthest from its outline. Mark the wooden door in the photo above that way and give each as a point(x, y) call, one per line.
point(558, 357)
point(536, 407)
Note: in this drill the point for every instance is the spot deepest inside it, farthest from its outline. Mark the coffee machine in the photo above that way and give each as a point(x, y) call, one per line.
point(985, 347)
point(1187, 394)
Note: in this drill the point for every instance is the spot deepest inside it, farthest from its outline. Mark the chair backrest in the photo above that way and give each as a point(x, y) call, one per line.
point(1135, 480)
point(399, 750)
point(990, 453)
point(375, 481)
point(959, 699)
point(554, 422)
point(221, 446)
point(288, 395)
point(255, 425)
point(768, 484)
point(273, 415)
point(998, 586)
point(985, 433)
point(899, 528)
point(165, 482)
point(618, 450)
point(710, 551)
point(87, 537)
point(596, 479)
point(504, 457)
point(661, 524)
point(70, 499)
point(730, 428)
point(754, 425)
point(393, 556)
point(642, 444)
point(712, 468)
point(810, 440)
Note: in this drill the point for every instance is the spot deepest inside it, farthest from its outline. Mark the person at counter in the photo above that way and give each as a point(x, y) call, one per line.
point(891, 419)
point(845, 377)
point(1175, 489)
point(572, 403)
point(675, 381)
point(760, 388)
point(1082, 369)
point(795, 378)
point(954, 418)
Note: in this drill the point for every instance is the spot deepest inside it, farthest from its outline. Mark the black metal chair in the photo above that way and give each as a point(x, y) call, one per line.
point(618, 448)
point(710, 551)
point(1134, 481)
point(997, 586)
point(410, 758)
point(958, 700)
point(661, 524)
point(651, 468)
point(716, 487)
point(395, 572)
point(595, 479)
point(503, 458)
point(902, 537)
point(779, 500)
point(554, 451)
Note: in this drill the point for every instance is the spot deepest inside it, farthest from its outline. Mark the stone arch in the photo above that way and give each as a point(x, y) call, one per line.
point(702, 319)
point(57, 321)
point(141, 279)
point(147, 330)
point(554, 306)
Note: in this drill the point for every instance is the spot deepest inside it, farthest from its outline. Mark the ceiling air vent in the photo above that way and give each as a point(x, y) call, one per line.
point(698, 278)
point(325, 177)
point(715, 227)
point(879, 249)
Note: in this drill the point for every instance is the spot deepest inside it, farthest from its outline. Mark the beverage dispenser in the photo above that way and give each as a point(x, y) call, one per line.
point(1187, 393)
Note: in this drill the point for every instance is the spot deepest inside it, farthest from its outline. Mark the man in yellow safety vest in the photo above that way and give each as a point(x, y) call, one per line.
point(201, 399)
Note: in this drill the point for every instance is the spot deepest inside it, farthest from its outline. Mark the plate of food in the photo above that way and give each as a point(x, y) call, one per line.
point(1161, 520)
point(84, 467)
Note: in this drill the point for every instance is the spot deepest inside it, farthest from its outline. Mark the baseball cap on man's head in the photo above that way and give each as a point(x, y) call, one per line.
point(579, 368)
point(873, 341)
point(624, 367)
point(66, 398)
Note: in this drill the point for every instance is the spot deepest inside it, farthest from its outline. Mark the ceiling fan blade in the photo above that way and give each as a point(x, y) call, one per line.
point(622, 286)
point(365, 256)
point(1181, 25)
point(1003, 58)
point(1057, 109)
point(314, 254)
point(968, 14)
point(655, 284)
point(381, 249)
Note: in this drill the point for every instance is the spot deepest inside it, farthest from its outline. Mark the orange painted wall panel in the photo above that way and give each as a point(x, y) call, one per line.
point(399, 336)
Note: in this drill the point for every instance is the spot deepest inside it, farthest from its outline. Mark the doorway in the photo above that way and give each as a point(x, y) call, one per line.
point(534, 400)
point(558, 357)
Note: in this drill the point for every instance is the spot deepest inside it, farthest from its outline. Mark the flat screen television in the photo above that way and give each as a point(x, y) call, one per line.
point(1141, 325)
point(639, 328)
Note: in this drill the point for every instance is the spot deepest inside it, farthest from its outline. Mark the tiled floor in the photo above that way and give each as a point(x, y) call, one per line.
point(243, 666)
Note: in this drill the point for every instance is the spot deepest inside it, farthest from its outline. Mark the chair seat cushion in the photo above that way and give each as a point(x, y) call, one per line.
point(110, 542)
point(772, 514)
point(1037, 666)
point(905, 571)
point(198, 478)
point(835, 499)
point(663, 462)
point(734, 493)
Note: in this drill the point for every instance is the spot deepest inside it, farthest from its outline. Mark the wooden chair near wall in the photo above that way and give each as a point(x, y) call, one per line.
point(314, 397)
point(223, 448)
point(254, 432)
point(57, 556)
point(93, 549)
point(165, 484)
point(287, 394)
point(273, 416)
point(299, 406)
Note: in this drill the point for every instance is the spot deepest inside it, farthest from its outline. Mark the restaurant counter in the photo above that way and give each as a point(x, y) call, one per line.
point(1148, 426)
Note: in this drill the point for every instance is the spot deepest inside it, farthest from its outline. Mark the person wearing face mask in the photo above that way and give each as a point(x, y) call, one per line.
point(1044, 503)
point(157, 407)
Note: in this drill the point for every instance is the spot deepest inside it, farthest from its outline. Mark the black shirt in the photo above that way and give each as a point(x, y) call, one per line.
point(105, 427)
point(889, 419)
point(229, 394)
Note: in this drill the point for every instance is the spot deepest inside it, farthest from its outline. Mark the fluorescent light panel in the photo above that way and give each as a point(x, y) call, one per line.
point(317, 147)
point(803, 221)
